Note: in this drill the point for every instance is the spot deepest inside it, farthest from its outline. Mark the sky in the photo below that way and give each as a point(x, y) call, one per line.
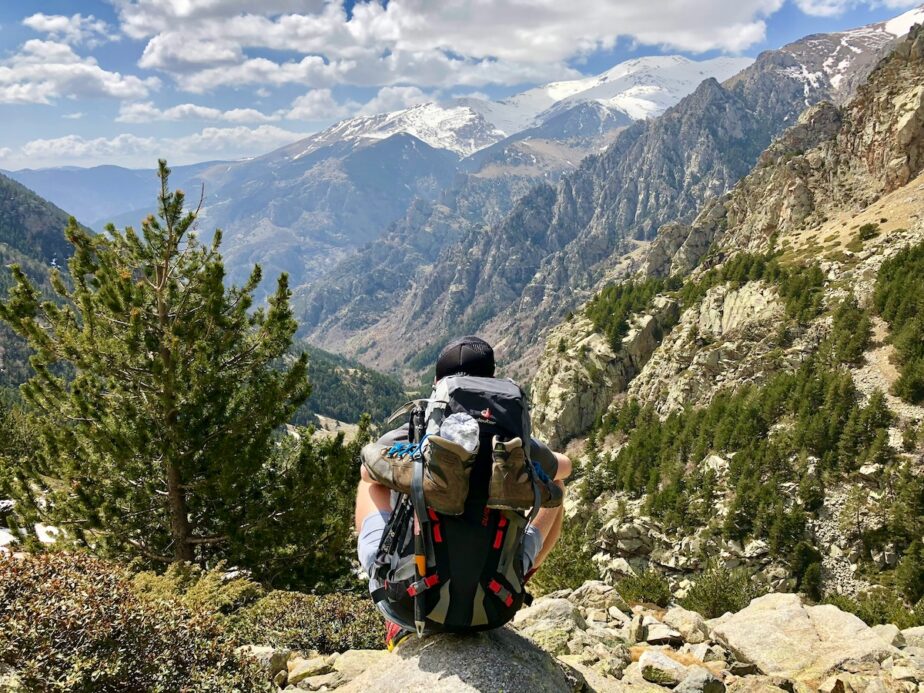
point(124, 82)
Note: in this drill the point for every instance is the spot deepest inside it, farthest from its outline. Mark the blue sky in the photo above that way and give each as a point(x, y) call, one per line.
point(126, 81)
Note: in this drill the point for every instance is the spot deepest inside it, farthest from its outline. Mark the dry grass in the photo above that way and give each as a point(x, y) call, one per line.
point(897, 210)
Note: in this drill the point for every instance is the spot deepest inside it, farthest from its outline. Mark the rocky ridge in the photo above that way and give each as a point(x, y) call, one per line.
point(590, 639)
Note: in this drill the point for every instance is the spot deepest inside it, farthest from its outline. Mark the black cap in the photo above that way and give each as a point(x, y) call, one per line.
point(469, 355)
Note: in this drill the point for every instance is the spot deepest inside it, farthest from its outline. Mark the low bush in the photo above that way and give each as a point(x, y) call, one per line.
point(569, 564)
point(74, 623)
point(648, 587)
point(718, 590)
point(880, 605)
point(326, 623)
point(210, 591)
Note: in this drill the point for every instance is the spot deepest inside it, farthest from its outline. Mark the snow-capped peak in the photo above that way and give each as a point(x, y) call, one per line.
point(833, 57)
point(639, 88)
point(457, 128)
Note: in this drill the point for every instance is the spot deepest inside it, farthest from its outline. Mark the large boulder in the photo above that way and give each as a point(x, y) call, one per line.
point(914, 637)
point(271, 659)
point(783, 637)
point(688, 623)
point(498, 660)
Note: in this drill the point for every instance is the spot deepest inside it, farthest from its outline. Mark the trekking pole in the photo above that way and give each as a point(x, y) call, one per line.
point(420, 520)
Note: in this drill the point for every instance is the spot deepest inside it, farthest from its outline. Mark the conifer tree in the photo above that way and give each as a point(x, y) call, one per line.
point(158, 392)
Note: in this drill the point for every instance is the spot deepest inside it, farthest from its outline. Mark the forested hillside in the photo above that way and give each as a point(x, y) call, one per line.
point(32, 236)
point(752, 396)
point(345, 390)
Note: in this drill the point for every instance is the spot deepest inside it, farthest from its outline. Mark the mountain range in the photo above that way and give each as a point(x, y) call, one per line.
point(301, 208)
point(514, 278)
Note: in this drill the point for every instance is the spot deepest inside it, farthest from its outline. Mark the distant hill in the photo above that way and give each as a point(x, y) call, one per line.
point(345, 390)
point(103, 194)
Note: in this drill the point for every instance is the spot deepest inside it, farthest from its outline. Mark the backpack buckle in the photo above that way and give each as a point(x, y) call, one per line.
point(422, 585)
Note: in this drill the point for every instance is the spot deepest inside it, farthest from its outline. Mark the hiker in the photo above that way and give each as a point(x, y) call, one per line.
point(458, 507)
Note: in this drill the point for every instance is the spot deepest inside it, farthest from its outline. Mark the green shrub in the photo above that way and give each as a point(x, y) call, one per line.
point(718, 590)
point(811, 582)
point(74, 623)
point(326, 623)
point(868, 231)
point(569, 564)
point(648, 587)
point(196, 589)
point(880, 605)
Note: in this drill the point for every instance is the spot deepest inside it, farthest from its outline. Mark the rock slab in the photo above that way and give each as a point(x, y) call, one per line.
point(783, 637)
point(499, 660)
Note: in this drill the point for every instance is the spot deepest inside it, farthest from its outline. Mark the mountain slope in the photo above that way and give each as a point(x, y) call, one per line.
point(31, 236)
point(653, 173)
point(740, 393)
point(345, 390)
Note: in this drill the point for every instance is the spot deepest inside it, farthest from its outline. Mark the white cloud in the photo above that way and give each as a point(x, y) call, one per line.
point(177, 52)
point(210, 43)
point(5, 152)
point(147, 112)
point(77, 115)
point(394, 99)
point(133, 150)
point(310, 70)
point(73, 29)
point(314, 105)
point(319, 104)
point(143, 18)
point(44, 71)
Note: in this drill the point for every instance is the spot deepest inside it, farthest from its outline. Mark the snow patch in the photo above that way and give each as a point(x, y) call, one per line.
point(901, 25)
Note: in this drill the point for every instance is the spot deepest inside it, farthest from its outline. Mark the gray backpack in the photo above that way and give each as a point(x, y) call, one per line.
point(457, 572)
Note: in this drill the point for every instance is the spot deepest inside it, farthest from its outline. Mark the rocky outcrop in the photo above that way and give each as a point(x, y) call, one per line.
point(835, 161)
point(729, 338)
point(631, 543)
point(498, 660)
point(784, 637)
point(589, 639)
point(581, 372)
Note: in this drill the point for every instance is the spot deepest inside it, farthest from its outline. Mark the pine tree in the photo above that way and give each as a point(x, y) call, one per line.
point(158, 391)
point(909, 576)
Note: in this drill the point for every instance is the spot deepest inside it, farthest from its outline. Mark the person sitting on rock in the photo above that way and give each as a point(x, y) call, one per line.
point(488, 495)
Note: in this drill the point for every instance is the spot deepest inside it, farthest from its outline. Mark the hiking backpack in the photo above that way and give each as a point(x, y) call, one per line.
point(459, 572)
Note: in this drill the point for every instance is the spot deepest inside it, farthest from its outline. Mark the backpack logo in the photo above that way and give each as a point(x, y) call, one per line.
point(486, 414)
